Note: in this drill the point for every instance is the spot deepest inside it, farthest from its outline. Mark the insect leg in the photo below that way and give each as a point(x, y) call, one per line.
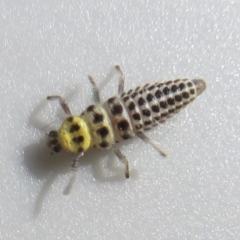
point(146, 139)
point(96, 94)
point(74, 168)
point(122, 159)
point(121, 80)
point(62, 102)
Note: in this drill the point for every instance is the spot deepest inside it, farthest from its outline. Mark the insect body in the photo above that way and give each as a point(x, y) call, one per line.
point(121, 117)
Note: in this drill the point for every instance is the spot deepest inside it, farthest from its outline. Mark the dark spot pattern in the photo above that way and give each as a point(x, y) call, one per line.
point(163, 104)
point(192, 91)
point(166, 91)
point(171, 110)
point(189, 84)
point(134, 94)
point(131, 106)
point(155, 108)
point(123, 125)
point(150, 97)
point(78, 139)
point(174, 88)
point(148, 122)
point(97, 118)
point(170, 101)
point(178, 98)
point(111, 100)
point(164, 114)
point(181, 86)
point(185, 95)
point(117, 109)
point(158, 94)
point(146, 112)
point(53, 142)
point(125, 98)
point(151, 88)
point(90, 108)
point(74, 127)
point(103, 132)
point(141, 101)
point(136, 116)
point(168, 82)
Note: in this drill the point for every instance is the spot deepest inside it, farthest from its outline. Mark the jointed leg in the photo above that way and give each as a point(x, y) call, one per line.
point(74, 168)
point(62, 102)
point(121, 80)
point(146, 139)
point(123, 159)
point(96, 94)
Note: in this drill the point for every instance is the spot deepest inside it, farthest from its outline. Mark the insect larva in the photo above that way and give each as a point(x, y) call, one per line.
point(121, 117)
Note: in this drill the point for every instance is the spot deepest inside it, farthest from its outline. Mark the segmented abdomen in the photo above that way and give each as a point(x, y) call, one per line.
point(141, 108)
point(137, 110)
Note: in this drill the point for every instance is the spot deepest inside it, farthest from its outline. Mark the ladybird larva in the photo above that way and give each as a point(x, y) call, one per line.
point(121, 117)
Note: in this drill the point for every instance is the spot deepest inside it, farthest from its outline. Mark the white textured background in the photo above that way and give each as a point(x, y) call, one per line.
point(48, 47)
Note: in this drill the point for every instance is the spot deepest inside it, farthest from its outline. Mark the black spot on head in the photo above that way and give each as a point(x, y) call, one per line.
point(70, 119)
point(163, 104)
point(125, 136)
point(192, 91)
point(117, 109)
point(131, 106)
point(97, 118)
point(174, 88)
point(166, 91)
point(57, 148)
point(155, 108)
point(111, 100)
point(103, 132)
point(170, 101)
point(148, 122)
point(185, 95)
point(158, 94)
point(74, 127)
point(104, 144)
point(178, 98)
point(90, 108)
point(126, 98)
point(136, 116)
point(123, 125)
point(141, 101)
point(181, 86)
point(150, 97)
point(78, 139)
point(146, 112)
point(189, 84)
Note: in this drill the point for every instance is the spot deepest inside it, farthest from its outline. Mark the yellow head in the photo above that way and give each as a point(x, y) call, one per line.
point(73, 136)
